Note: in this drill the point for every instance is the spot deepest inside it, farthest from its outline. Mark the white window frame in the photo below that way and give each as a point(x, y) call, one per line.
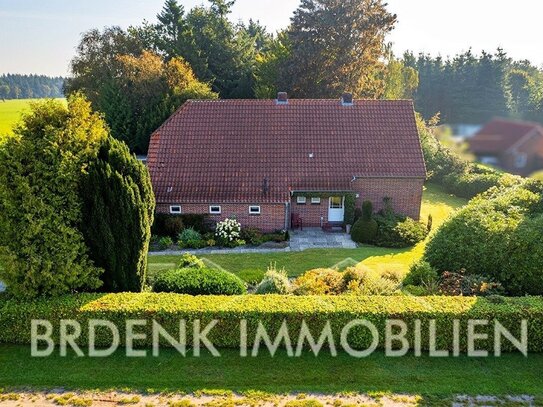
point(301, 200)
point(521, 159)
point(316, 200)
point(175, 211)
point(257, 212)
point(212, 212)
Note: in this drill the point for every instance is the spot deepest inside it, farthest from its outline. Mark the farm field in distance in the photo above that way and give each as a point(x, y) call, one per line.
point(11, 110)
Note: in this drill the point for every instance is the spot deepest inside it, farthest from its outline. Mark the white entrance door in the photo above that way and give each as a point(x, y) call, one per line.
point(336, 209)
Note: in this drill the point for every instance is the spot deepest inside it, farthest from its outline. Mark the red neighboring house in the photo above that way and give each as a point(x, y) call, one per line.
point(515, 146)
point(264, 160)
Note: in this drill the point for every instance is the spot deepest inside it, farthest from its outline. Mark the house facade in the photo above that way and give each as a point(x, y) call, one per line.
point(514, 146)
point(264, 161)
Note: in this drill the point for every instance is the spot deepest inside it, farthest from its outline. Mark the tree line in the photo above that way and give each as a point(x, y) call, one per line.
point(140, 76)
point(470, 88)
point(16, 86)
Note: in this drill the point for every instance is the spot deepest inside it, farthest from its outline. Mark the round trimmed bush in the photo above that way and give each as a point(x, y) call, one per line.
point(399, 231)
point(199, 281)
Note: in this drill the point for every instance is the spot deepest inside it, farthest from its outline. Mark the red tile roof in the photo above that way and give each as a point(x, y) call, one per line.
point(223, 150)
point(498, 135)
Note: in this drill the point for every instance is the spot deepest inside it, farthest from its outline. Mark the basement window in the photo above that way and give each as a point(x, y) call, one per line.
point(175, 209)
point(215, 209)
point(315, 200)
point(301, 200)
point(254, 210)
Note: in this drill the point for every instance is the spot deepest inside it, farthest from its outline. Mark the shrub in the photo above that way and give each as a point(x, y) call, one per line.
point(190, 238)
point(364, 229)
point(361, 280)
point(198, 281)
point(462, 284)
point(398, 231)
point(165, 242)
point(190, 260)
point(118, 207)
point(228, 232)
point(166, 224)
point(318, 282)
point(274, 282)
point(252, 236)
point(271, 310)
point(420, 273)
point(498, 234)
point(42, 168)
point(470, 184)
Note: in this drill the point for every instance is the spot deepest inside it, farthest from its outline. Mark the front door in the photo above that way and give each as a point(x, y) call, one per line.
point(336, 209)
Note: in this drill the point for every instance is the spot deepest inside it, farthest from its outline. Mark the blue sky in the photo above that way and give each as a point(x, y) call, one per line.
point(40, 36)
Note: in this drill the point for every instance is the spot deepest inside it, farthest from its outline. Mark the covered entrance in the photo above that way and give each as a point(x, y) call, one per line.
point(336, 209)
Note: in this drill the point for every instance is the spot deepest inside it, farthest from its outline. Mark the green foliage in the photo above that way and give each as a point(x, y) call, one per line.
point(396, 230)
point(190, 260)
point(42, 250)
point(470, 88)
point(421, 273)
point(165, 242)
point(274, 282)
point(198, 281)
point(364, 231)
point(365, 228)
point(134, 88)
point(252, 236)
point(349, 204)
point(469, 184)
point(326, 37)
point(166, 224)
point(17, 86)
point(498, 234)
point(190, 238)
point(118, 207)
point(271, 310)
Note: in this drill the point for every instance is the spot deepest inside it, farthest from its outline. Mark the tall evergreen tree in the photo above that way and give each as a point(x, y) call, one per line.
point(118, 206)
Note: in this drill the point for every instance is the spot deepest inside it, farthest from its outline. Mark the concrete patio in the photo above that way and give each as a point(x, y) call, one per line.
point(313, 238)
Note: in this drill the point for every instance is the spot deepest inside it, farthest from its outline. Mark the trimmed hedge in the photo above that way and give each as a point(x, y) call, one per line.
point(198, 281)
point(271, 310)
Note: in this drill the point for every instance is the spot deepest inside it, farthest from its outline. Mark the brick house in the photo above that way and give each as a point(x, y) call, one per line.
point(264, 160)
point(515, 146)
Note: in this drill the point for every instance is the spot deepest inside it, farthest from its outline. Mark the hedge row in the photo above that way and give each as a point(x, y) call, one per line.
point(168, 309)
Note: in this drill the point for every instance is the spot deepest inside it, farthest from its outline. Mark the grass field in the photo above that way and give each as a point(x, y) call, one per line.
point(10, 112)
point(251, 267)
point(509, 374)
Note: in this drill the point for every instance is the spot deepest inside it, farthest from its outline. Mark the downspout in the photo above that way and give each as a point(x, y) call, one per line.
point(287, 217)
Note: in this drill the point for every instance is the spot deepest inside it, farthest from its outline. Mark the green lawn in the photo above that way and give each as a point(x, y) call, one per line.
point(252, 266)
point(509, 374)
point(10, 112)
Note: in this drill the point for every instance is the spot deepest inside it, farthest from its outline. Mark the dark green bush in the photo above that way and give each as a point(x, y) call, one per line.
point(470, 184)
point(398, 231)
point(190, 238)
point(165, 242)
point(364, 229)
point(252, 236)
point(498, 234)
point(198, 281)
point(166, 224)
point(271, 310)
point(420, 273)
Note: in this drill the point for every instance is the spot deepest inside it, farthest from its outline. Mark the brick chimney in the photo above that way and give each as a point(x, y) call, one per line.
point(282, 98)
point(347, 99)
